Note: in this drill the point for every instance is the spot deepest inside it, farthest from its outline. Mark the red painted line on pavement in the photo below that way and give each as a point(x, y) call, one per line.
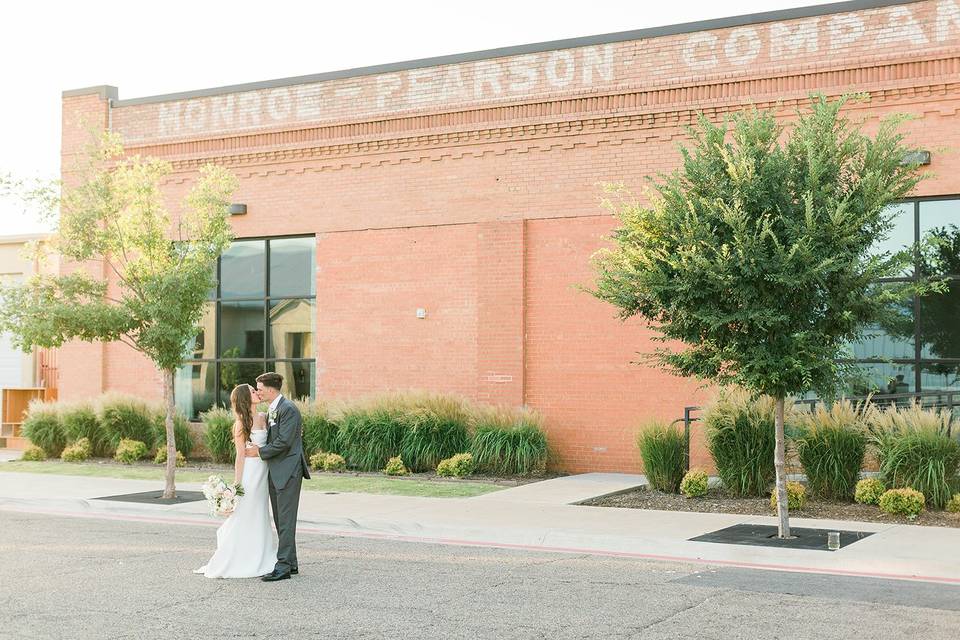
point(508, 545)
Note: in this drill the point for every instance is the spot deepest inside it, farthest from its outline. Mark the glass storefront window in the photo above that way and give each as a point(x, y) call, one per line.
point(882, 378)
point(194, 388)
point(901, 236)
point(242, 329)
point(291, 328)
point(259, 319)
point(291, 267)
point(242, 270)
point(939, 326)
point(299, 377)
point(929, 342)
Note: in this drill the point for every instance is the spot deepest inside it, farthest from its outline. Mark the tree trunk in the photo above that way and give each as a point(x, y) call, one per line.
point(170, 488)
point(779, 463)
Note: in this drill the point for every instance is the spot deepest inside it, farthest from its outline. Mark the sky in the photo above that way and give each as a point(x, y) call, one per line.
point(146, 49)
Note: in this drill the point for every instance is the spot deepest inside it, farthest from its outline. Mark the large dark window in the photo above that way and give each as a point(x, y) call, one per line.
point(917, 346)
point(261, 317)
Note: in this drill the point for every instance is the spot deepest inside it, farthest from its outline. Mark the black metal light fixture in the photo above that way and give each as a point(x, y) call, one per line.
point(238, 209)
point(919, 157)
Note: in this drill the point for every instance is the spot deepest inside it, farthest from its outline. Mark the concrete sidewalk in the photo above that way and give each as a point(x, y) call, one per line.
point(531, 518)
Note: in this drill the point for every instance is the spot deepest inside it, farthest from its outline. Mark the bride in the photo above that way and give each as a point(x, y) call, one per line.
point(246, 545)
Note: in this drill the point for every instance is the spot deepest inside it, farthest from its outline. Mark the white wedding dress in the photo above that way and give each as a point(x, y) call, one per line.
point(246, 544)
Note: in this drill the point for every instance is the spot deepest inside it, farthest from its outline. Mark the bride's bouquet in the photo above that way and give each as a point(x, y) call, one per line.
point(223, 498)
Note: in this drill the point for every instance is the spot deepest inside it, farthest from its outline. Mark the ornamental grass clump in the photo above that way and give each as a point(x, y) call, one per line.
point(796, 497)
point(437, 427)
point(320, 428)
point(371, 431)
point(905, 502)
point(42, 426)
point(663, 450)
point(915, 449)
point(129, 451)
point(126, 418)
point(509, 441)
point(695, 483)
point(218, 434)
point(741, 439)
point(81, 421)
point(831, 444)
point(869, 490)
point(458, 466)
point(78, 451)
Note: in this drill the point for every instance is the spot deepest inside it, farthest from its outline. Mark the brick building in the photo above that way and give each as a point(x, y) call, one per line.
point(425, 224)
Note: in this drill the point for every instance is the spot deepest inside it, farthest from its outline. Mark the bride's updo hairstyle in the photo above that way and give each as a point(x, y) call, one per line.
point(242, 403)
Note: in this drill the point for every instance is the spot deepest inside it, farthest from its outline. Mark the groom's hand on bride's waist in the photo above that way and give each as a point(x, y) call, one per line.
point(253, 452)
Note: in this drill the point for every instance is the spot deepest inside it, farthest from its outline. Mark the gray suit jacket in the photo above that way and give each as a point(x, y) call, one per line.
point(284, 449)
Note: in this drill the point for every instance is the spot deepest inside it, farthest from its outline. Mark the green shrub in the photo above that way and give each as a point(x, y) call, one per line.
point(796, 497)
point(320, 429)
point(81, 421)
point(181, 433)
point(78, 451)
point(218, 434)
point(662, 449)
point(371, 431)
point(953, 504)
point(869, 490)
point(317, 459)
point(126, 418)
point(161, 457)
point(509, 441)
point(741, 438)
point(831, 445)
point(695, 483)
point(436, 428)
point(914, 450)
point(334, 462)
point(458, 466)
point(323, 461)
point(129, 451)
point(43, 428)
point(905, 501)
point(33, 453)
point(395, 467)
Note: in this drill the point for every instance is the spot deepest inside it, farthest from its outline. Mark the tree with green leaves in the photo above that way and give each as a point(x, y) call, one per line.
point(159, 267)
point(753, 259)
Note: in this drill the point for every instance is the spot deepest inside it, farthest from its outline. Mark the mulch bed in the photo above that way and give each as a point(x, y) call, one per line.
point(717, 501)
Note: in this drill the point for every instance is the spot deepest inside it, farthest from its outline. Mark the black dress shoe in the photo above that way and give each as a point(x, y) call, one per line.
point(273, 577)
point(294, 572)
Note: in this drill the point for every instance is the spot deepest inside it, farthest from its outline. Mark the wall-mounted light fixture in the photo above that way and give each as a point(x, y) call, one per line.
point(238, 209)
point(919, 157)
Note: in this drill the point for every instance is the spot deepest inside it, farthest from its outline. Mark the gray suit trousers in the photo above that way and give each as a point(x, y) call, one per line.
point(284, 503)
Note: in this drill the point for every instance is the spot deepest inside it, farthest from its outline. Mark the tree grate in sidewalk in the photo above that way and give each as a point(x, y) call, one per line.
point(761, 535)
point(156, 497)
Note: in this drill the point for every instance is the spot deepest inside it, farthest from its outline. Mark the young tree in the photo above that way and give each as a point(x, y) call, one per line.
point(755, 255)
point(159, 274)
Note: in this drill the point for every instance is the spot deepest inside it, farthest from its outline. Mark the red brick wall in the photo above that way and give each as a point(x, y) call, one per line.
point(478, 201)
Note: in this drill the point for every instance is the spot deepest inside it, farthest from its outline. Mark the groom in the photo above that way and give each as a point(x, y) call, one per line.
point(287, 467)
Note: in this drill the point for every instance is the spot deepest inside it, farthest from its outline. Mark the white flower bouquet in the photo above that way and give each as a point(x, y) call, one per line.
point(223, 498)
